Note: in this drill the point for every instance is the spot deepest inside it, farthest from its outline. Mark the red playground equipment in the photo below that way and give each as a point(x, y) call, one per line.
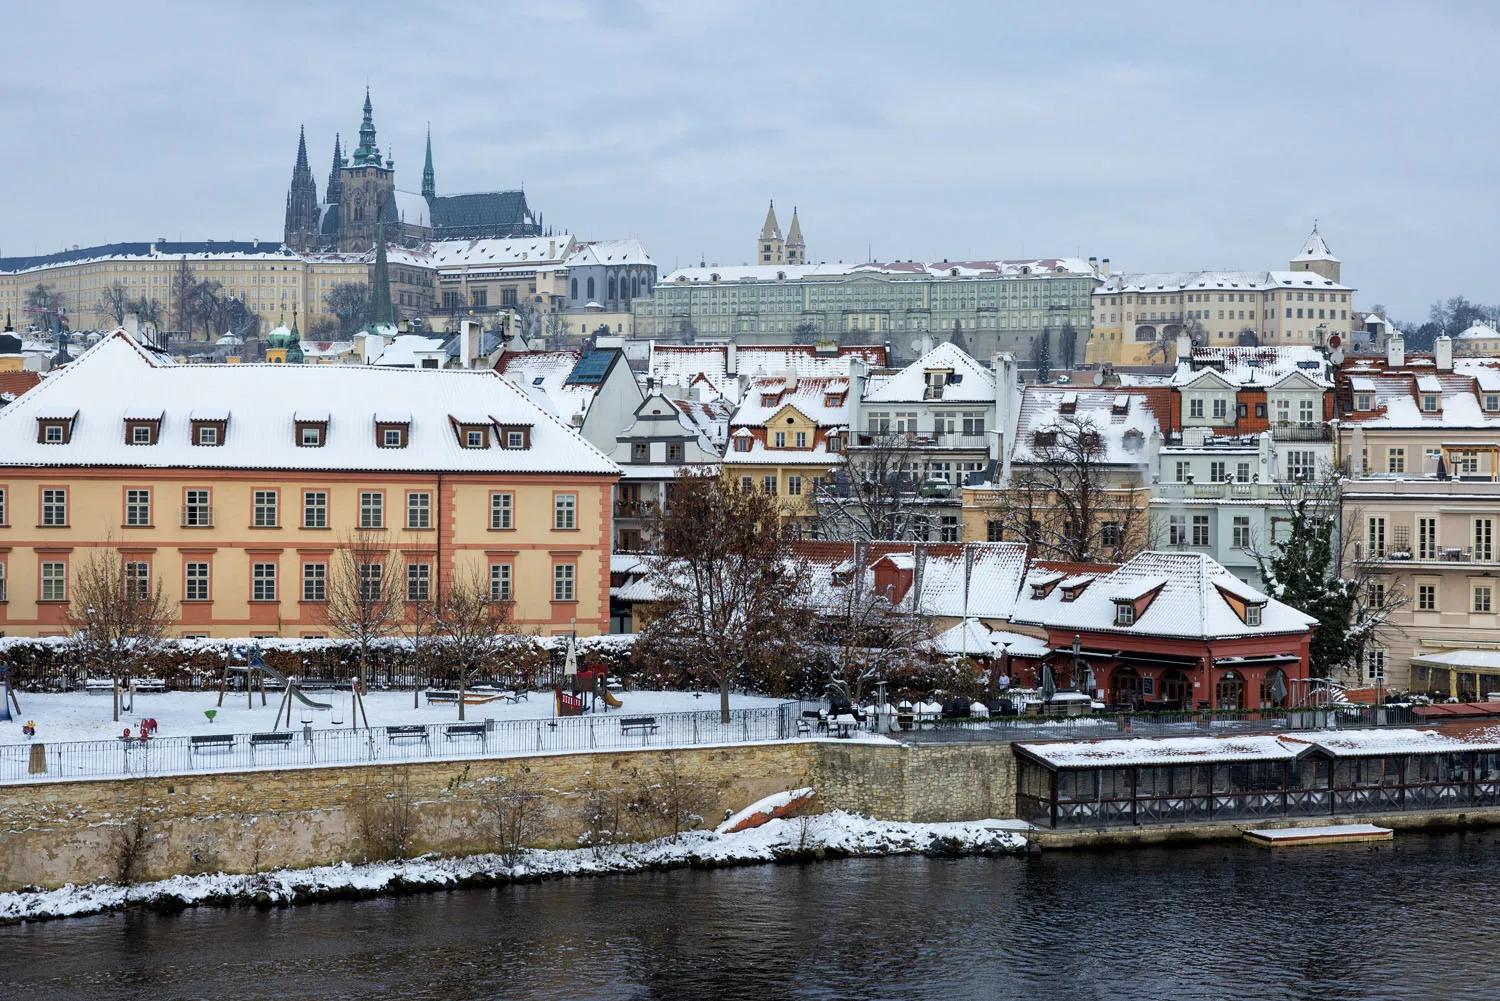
point(588, 689)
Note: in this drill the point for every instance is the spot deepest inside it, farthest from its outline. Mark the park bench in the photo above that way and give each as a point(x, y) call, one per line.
point(645, 724)
point(402, 732)
point(464, 730)
point(283, 739)
point(150, 686)
point(439, 695)
point(206, 740)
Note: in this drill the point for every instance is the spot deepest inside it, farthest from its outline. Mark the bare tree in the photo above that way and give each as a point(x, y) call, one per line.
point(114, 302)
point(1067, 346)
point(1165, 346)
point(118, 614)
point(875, 495)
point(350, 302)
point(727, 583)
point(867, 638)
point(364, 598)
point(470, 632)
point(182, 297)
point(1068, 500)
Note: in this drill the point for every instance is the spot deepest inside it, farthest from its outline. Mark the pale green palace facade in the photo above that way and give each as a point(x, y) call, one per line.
point(1001, 305)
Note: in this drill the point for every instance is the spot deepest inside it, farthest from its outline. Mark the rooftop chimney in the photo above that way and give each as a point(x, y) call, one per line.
point(1395, 351)
point(1105, 265)
point(1443, 350)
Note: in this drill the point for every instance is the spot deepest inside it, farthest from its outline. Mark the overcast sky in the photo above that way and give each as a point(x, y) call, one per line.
point(1163, 139)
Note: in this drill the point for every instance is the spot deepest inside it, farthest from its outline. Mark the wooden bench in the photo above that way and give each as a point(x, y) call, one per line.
point(645, 724)
point(464, 730)
point(205, 740)
point(402, 732)
point(435, 696)
point(276, 739)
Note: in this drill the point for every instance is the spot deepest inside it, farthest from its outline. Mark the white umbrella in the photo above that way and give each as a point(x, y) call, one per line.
point(570, 666)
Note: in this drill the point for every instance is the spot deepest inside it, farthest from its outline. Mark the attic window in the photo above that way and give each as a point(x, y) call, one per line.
point(1429, 403)
point(1252, 615)
point(392, 434)
point(54, 431)
point(516, 436)
point(209, 432)
point(768, 399)
point(833, 400)
point(538, 380)
point(1362, 401)
point(476, 438)
point(1069, 404)
point(1124, 613)
point(1044, 439)
point(742, 444)
point(1072, 591)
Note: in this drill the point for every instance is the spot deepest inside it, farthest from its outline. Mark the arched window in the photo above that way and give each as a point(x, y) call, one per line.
point(635, 286)
point(591, 288)
point(611, 287)
point(575, 288)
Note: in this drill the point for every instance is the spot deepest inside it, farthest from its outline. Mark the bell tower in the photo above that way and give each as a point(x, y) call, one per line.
point(367, 184)
point(770, 248)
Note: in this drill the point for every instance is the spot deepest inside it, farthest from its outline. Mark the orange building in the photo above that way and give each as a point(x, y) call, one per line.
point(235, 485)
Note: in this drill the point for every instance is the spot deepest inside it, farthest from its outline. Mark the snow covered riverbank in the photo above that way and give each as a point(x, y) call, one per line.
point(830, 835)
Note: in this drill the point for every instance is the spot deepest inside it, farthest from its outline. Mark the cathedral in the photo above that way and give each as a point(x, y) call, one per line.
point(362, 194)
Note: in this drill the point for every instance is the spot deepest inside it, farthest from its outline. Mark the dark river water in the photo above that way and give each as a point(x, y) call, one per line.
point(1417, 919)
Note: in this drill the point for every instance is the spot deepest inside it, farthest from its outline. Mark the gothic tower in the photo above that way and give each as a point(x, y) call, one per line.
point(771, 248)
point(429, 180)
point(796, 250)
point(366, 185)
point(335, 186)
point(301, 232)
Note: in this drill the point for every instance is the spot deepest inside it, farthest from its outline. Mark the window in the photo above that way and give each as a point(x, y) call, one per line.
point(1200, 529)
point(794, 486)
point(1221, 408)
point(768, 485)
point(1426, 538)
point(138, 508)
point(137, 580)
point(565, 512)
point(1305, 412)
point(747, 484)
point(675, 451)
point(1283, 410)
point(371, 509)
point(1240, 531)
point(499, 581)
point(1195, 407)
point(196, 512)
point(1218, 472)
point(835, 443)
point(315, 582)
point(1363, 401)
point(1375, 594)
point(742, 444)
point(1484, 597)
point(474, 439)
point(1177, 530)
point(52, 434)
point(1300, 465)
point(879, 423)
point(1375, 665)
point(994, 531)
point(419, 510)
point(1429, 403)
point(54, 581)
point(195, 581)
point(501, 507)
point(1484, 539)
point(315, 509)
point(1395, 460)
point(2, 505)
point(563, 581)
point(1426, 597)
point(418, 581)
point(265, 509)
point(780, 439)
point(1375, 537)
point(263, 582)
point(208, 435)
point(140, 434)
point(801, 438)
point(1124, 614)
point(391, 438)
point(640, 451)
point(1252, 615)
point(515, 439)
point(973, 424)
point(310, 436)
point(55, 507)
point(371, 577)
point(1242, 472)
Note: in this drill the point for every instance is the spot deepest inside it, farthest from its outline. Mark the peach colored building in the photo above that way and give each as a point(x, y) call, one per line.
point(235, 485)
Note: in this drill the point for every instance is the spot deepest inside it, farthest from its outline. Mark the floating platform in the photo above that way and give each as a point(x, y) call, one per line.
point(1337, 834)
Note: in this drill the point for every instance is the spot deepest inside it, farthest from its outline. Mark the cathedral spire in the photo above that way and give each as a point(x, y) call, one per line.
point(770, 248)
point(796, 250)
point(301, 230)
point(367, 154)
point(429, 180)
point(335, 185)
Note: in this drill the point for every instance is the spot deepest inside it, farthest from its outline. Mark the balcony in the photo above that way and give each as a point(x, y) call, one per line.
point(900, 440)
point(1437, 556)
point(636, 509)
point(195, 516)
point(1226, 490)
point(1301, 432)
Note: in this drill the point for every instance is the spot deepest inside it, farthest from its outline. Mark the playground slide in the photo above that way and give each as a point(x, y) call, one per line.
point(610, 700)
point(281, 679)
point(297, 694)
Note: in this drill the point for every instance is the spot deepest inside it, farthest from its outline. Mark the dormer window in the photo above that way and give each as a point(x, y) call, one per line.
point(835, 443)
point(1429, 403)
point(55, 429)
point(1044, 439)
point(310, 436)
point(515, 436)
point(1363, 401)
point(1252, 615)
point(1492, 402)
point(142, 426)
point(475, 438)
point(392, 438)
point(140, 434)
point(768, 399)
point(833, 400)
point(208, 435)
point(1124, 613)
point(209, 426)
point(515, 439)
point(392, 428)
point(742, 444)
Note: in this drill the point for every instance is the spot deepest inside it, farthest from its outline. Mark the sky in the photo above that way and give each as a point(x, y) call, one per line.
point(1164, 137)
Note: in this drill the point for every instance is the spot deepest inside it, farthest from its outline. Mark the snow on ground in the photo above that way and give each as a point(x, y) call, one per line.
point(836, 834)
point(71, 716)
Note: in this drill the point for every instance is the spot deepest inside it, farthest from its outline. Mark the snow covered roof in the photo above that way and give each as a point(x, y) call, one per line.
point(501, 252)
point(1360, 743)
point(1314, 249)
point(972, 638)
point(611, 253)
point(544, 375)
point(688, 365)
point(1470, 659)
point(1168, 751)
point(1189, 602)
point(404, 350)
point(1395, 394)
point(1259, 366)
point(970, 381)
point(1123, 431)
point(767, 396)
point(259, 402)
point(1215, 281)
point(709, 418)
point(412, 209)
point(1068, 267)
point(1478, 331)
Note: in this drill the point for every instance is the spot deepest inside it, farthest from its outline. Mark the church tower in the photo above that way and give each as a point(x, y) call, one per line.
point(301, 232)
point(366, 185)
point(334, 184)
point(1317, 258)
point(771, 247)
point(429, 180)
point(796, 250)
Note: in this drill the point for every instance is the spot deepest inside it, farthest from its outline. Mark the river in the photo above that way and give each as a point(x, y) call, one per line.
point(1413, 919)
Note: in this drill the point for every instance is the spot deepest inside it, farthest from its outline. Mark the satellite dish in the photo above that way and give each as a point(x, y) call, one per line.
point(1336, 356)
point(1098, 378)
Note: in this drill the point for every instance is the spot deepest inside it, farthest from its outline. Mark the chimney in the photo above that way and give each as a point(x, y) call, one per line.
point(855, 401)
point(1443, 349)
point(732, 360)
point(1004, 365)
point(1357, 463)
point(1105, 265)
point(1184, 348)
point(1395, 350)
point(133, 326)
point(467, 336)
point(255, 242)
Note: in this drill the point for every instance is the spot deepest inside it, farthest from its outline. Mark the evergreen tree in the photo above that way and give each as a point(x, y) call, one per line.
point(1044, 356)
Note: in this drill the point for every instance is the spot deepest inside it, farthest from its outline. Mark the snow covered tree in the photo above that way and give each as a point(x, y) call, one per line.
point(866, 637)
point(727, 585)
point(1043, 356)
point(118, 614)
point(1311, 569)
point(363, 598)
point(470, 632)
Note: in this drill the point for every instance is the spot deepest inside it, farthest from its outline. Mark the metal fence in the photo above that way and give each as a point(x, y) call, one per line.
point(1114, 727)
point(309, 748)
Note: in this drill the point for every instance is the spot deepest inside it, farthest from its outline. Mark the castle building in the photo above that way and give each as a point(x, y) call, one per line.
point(773, 249)
point(361, 192)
